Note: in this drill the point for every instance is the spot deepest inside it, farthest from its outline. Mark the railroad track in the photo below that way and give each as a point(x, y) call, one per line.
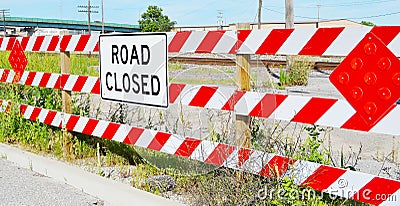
point(231, 62)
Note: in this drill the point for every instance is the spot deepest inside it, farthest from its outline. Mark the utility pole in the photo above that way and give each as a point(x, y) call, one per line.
point(102, 16)
point(259, 14)
point(220, 21)
point(88, 10)
point(318, 6)
point(4, 13)
point(289, 17)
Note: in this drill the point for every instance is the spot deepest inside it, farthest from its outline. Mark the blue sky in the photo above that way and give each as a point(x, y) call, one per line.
point(194, 12)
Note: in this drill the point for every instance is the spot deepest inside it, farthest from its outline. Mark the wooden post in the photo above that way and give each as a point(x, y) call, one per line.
point(243, 135)
point(66, 100)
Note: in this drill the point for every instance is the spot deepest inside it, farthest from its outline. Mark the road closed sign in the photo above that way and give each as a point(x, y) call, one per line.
point(133, 68)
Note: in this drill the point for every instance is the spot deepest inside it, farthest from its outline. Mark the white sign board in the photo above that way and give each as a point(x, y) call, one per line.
point(133, 68)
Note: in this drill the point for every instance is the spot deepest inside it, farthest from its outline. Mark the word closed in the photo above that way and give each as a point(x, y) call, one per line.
point(133, 69)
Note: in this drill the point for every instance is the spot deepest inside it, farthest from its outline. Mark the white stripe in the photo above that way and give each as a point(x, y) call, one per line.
point(220, 98)
point(290, 107)
point(31, 43)
point(3, 106)
point(170, 36)
point(227, 41)
point(100, 128)
point(296, 41)
point(121, 133)
point(346, 41)
point(349, 184)
point(89, 84)
point(24, 77)
point(301, 170)
point(204, 150)
point(394, 46)
point(145, 138)
point(57, 119)
point(389, 124)
point(70, 82)
point(92, 42)
point(233, 160)
point(254, 41)
point(337, 115)
point(172, 144)
point(80, 125)
point(42, 115)
point(187, 94)
point(28, 112)
point(393, 200)
point(10, 76)
point(247, 103)
point(1, 72)
point(193, 41)
point(45, 43)
point(52, 80)
point(257, 161)
point(37, 79)
point(64, 119)
point(4, 44)
point(73, 43)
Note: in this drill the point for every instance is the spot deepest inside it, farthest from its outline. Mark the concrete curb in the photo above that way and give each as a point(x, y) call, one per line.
point(111, 192)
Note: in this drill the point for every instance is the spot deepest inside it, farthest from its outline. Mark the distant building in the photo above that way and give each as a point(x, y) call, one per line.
point(276, 25)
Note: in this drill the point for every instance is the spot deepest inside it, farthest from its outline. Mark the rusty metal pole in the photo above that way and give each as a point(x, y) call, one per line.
point(243, 135)
point(66, 101)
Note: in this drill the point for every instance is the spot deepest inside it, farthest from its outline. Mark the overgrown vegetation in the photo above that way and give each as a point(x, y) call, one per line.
point(297, 73)
point(199, 183)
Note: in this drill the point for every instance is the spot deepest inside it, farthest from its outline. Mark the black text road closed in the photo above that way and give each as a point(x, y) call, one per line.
point(133, 68)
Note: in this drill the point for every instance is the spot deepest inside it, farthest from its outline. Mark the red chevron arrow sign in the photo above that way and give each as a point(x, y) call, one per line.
point(17, 60)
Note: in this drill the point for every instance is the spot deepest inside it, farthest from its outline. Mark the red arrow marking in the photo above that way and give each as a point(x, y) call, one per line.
point(17, 60)
point(369, 79)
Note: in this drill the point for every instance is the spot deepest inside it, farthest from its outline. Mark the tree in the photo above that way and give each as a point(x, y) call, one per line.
point(153, 20)
point(367, 23)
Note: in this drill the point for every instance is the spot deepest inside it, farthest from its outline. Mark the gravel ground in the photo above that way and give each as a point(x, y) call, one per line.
point(19, 186)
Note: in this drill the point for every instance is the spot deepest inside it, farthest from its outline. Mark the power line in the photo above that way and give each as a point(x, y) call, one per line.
point(88, 9)
point(4, 13)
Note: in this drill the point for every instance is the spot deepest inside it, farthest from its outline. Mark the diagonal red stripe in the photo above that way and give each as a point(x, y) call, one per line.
point(244, 155)
point(50, 117)
point(233, 99)
point(10, 44)
point(133, 135)
point(45, 78)
point(73, 119)
point(80, 82)
point(187, 147)
point(38, 43)
point(64, 42)
point(210, 40)
point(96, 87)
point(323, 177)
point(90, 126)
point(386, 33)
point(178, 41)
point(276, 167)
point(242, 36)
point(174, 91)
point(30, 78)
point(35, 114)
point(96, 48)
point(320, 41)
point(203, 96)
point(313, 110)
point(83, 40)
point(267, 105)
point(53, 43)
point(24, 42)
point(110, 130)
point(4, 76)
point(274, 41)
point(158, 141)
point(220, 154)
point(377, 191)
point(1, 41)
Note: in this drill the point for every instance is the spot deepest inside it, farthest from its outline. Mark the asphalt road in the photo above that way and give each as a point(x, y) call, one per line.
point(20, 186)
